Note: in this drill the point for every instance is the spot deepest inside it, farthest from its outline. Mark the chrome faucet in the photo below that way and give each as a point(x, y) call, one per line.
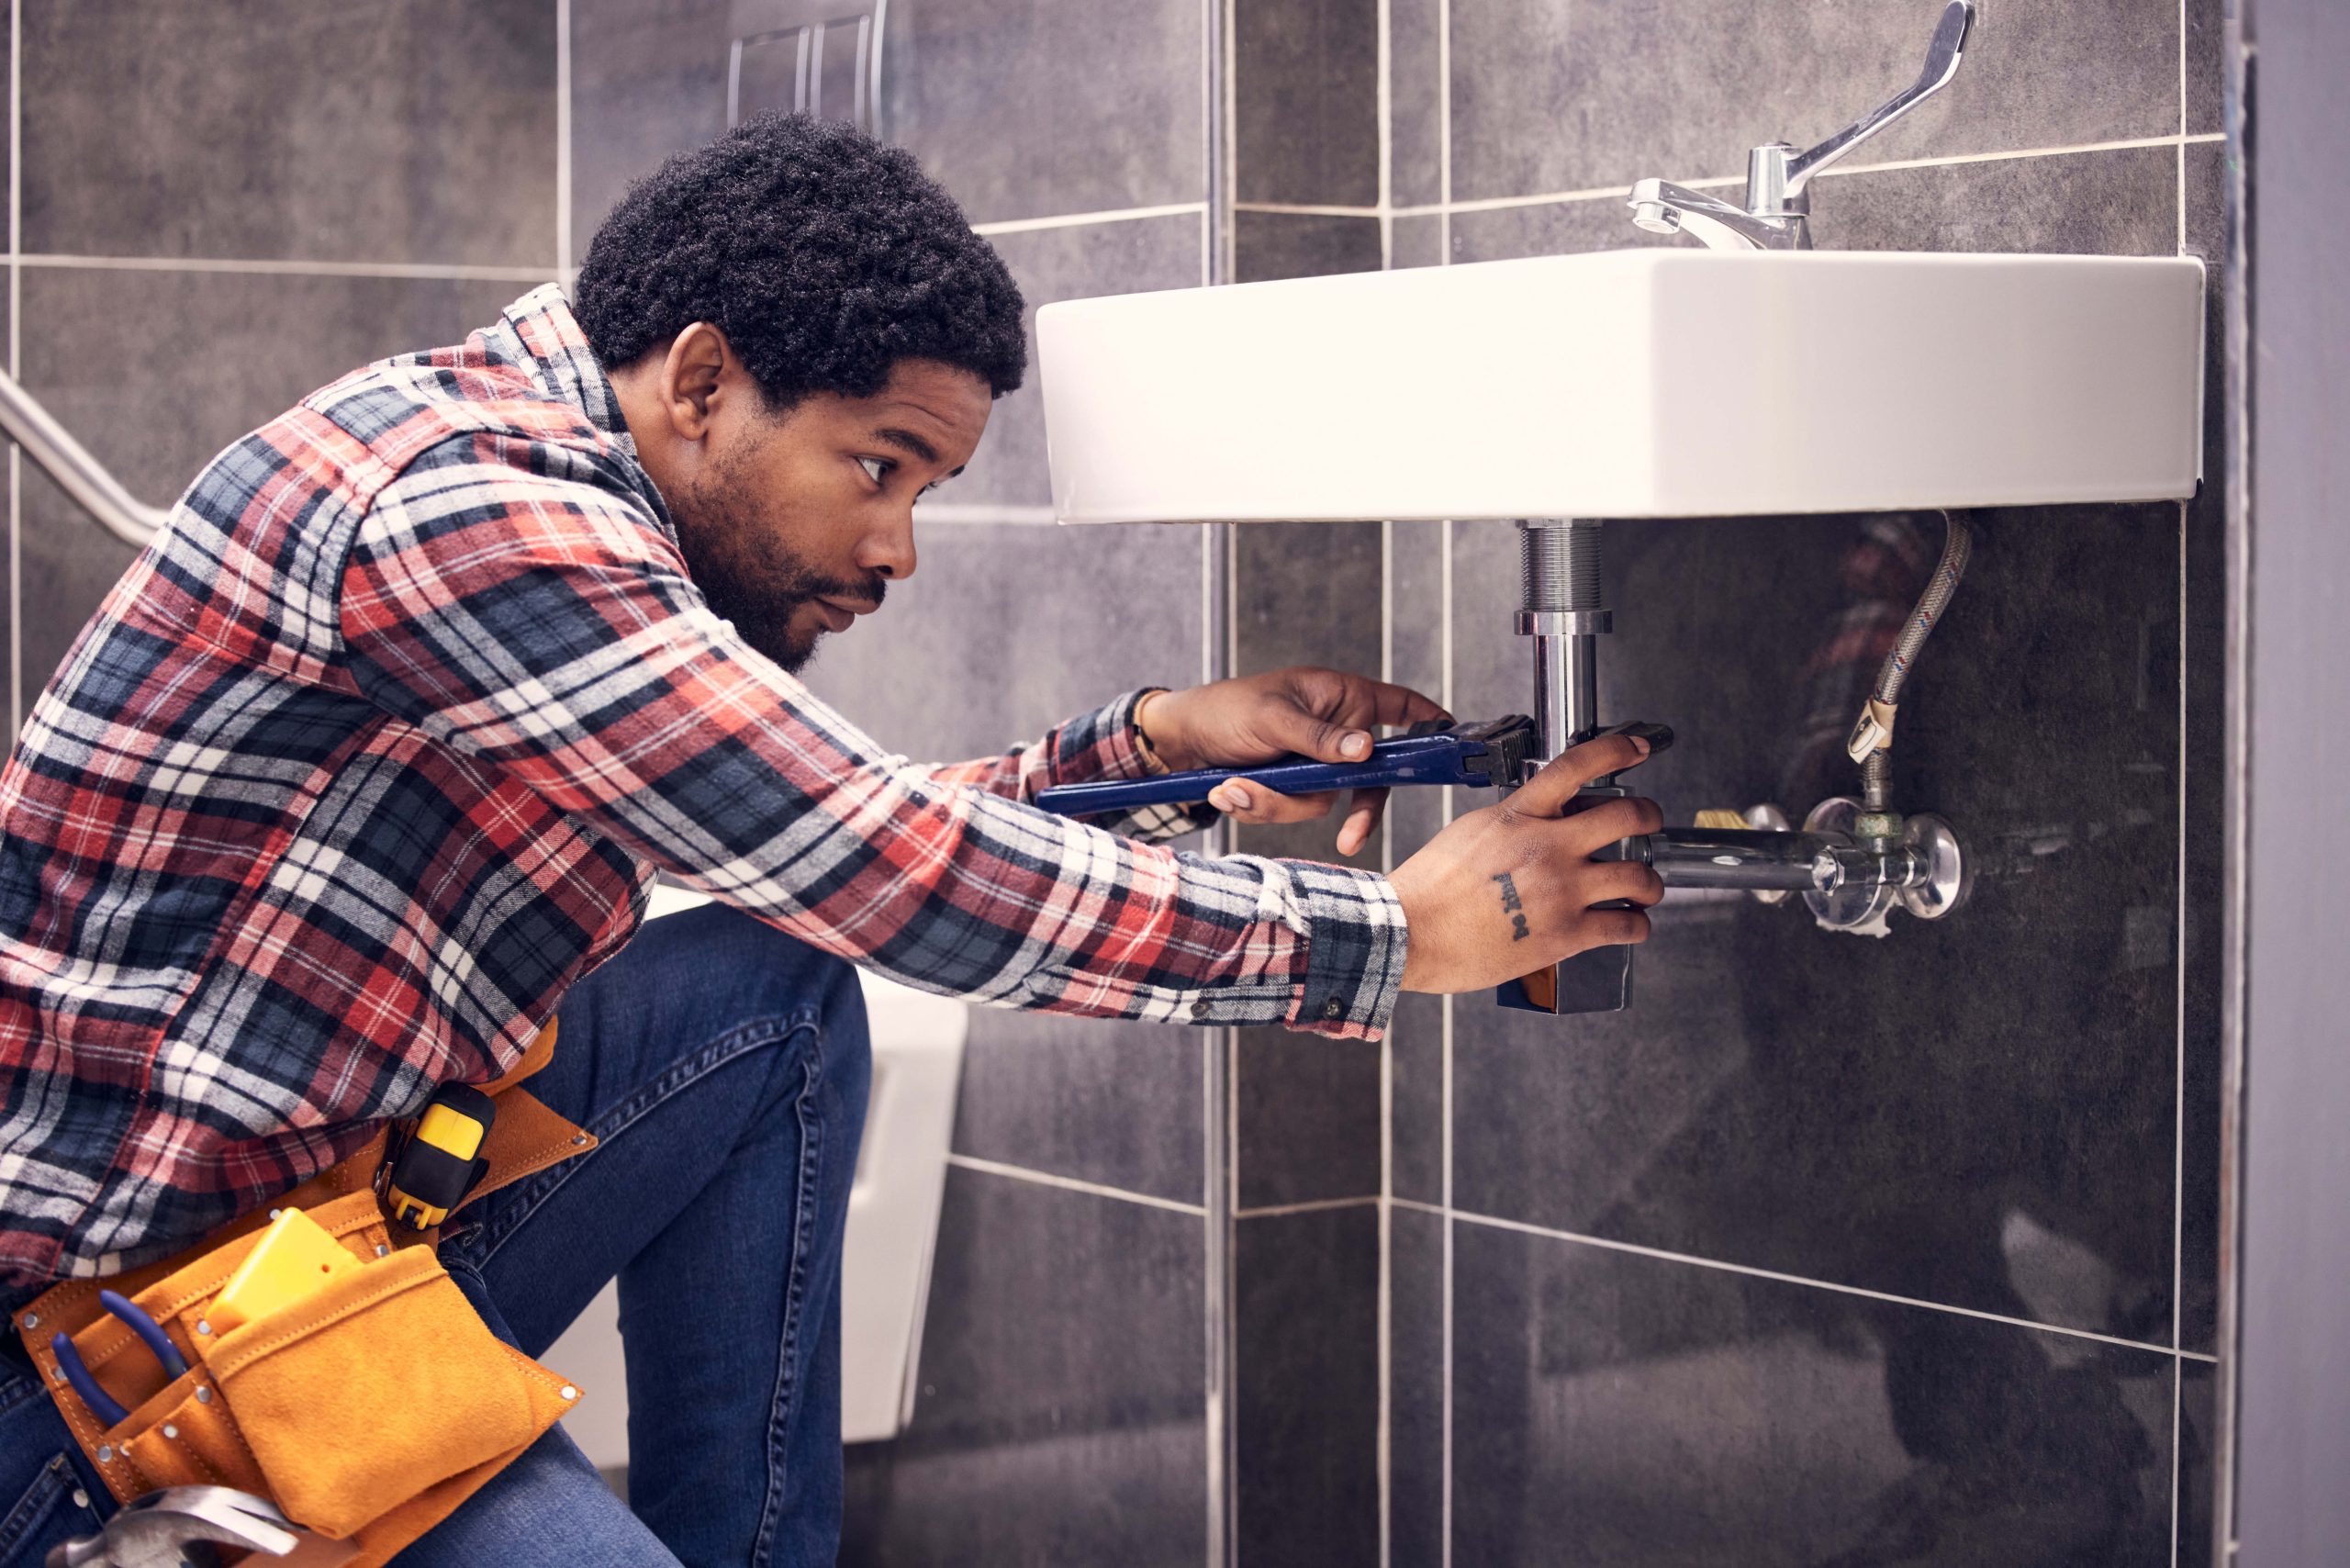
point(1778, 179)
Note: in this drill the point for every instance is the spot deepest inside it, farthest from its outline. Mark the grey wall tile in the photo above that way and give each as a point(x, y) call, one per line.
point(2206, 66)
point(217, 353)
point(1614, 1409)
point(2198, 1410)
point(2119, 203)
point(1308, 1119)
point(1105, 1101)
point(2013, 1064)
point(1131, 256)
point(1307, 593)
point(1053, 107)
point(1062, 1413)
point(1305, 92)
point(1267, 245)
point(1056, 107)
point(983, 648)
point(422, 132)
point(1416, 1048)
point(648, 79)
point(1550, 228)
point(1415, 1388)
point(1417, 241)
point(1415, 146)
point(1555, 96)
point(1305, 1414)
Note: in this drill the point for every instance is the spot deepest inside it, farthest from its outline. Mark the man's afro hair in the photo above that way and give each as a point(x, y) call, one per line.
point(824, 257)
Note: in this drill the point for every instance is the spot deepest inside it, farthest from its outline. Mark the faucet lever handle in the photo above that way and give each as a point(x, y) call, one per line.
point(1943, 55)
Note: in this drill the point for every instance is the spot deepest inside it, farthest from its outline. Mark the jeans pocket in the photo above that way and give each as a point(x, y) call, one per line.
point(54, 1508)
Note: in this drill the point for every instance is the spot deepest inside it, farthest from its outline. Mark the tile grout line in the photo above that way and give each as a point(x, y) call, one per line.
point(952, 514)
point(275, 267)
point(1383, 1455)
point(15, 298)
point(1446, 209)
point(1217, 1121)
point(1312, 209)
point(1722, 1266)
point(2178, 1094)
point(1444, 814)
point(1079, 219)
point(1385, 214)
point(563, 136)
point(1842, 170)
point(1070, 1183)
point(1311, 1207)
point(562, 265)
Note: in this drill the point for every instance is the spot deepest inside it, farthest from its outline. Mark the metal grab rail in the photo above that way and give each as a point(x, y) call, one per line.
point(69, 463)
point(764, 24)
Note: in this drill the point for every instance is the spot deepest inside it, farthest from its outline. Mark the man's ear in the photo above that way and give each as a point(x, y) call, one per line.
point(697, 364)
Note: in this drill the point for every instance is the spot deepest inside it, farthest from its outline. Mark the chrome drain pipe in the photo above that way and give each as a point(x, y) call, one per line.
point(1561, 609)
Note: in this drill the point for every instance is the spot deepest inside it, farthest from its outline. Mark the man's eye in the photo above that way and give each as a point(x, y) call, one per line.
point(875, 467)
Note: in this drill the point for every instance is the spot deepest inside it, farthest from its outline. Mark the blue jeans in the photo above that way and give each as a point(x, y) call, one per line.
point(723, 1066)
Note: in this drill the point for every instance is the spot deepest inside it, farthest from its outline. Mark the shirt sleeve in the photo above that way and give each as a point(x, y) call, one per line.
point(516, 602)
point(1095, 745)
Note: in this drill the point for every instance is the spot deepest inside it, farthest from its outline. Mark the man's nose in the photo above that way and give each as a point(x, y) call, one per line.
point(889, 551)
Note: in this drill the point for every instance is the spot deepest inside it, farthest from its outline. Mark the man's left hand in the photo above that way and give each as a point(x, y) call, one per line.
point(1321, 713)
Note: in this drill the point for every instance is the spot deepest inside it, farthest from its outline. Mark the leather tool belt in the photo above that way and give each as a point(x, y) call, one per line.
point(366, 1410)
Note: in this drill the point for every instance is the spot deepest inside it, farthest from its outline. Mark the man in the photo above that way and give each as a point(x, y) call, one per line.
point(366, 767)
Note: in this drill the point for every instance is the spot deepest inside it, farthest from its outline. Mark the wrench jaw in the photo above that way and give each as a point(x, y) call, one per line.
point(184, 1527)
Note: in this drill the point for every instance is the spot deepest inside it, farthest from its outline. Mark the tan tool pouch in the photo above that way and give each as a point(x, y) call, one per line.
point(367, 1410)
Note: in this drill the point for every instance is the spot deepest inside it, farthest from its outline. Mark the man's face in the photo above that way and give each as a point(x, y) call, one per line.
point(798, 523)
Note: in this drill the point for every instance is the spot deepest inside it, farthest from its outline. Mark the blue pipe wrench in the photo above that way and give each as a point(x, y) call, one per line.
point(1488, 754)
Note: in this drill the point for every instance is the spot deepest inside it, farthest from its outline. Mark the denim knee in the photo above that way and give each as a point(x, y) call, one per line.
point(771, 974)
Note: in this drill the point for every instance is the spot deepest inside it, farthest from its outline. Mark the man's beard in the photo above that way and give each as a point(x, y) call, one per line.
point(749, 575)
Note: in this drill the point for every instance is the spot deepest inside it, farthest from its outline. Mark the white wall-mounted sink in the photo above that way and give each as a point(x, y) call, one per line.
point(1643, 383)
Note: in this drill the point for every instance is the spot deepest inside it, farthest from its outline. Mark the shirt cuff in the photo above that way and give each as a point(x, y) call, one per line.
point(1356, 943)
point(1105, 744)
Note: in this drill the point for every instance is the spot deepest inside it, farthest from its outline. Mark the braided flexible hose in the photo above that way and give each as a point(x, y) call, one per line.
point(1958, 542)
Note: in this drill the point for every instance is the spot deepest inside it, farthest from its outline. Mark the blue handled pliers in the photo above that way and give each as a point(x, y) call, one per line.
point(77, 1373)
point(1486, 754)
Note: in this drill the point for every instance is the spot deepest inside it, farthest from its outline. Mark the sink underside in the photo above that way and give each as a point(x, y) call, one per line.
point(1647, 383)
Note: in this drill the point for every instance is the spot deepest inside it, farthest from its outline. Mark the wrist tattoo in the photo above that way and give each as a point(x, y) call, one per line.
point(1511, 907)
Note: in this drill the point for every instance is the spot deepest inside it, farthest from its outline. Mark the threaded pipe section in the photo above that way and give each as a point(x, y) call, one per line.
point(1559, 565)
point(1876, 782)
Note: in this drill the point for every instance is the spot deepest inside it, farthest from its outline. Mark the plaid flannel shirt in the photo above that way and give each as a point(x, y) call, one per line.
point(378, 747)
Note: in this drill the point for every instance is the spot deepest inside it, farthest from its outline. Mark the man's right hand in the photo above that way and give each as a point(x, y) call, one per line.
point(1506, 890)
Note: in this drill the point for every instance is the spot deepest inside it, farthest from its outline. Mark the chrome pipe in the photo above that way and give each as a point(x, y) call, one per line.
point(77, 472)
point(1561, 613)
point(1718, 857)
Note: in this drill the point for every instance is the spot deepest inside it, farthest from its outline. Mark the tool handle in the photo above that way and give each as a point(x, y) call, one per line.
point(151, 1333)
point(77, 1375)
point(1405, 759)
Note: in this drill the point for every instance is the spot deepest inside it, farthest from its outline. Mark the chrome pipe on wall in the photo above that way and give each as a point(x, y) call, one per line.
point(69, 463)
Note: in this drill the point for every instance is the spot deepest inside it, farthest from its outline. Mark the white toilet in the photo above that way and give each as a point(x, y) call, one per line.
point(893, 1228)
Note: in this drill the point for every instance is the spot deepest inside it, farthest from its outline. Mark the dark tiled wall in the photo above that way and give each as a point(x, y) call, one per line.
point(223, 207)
point(1831, 1251)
